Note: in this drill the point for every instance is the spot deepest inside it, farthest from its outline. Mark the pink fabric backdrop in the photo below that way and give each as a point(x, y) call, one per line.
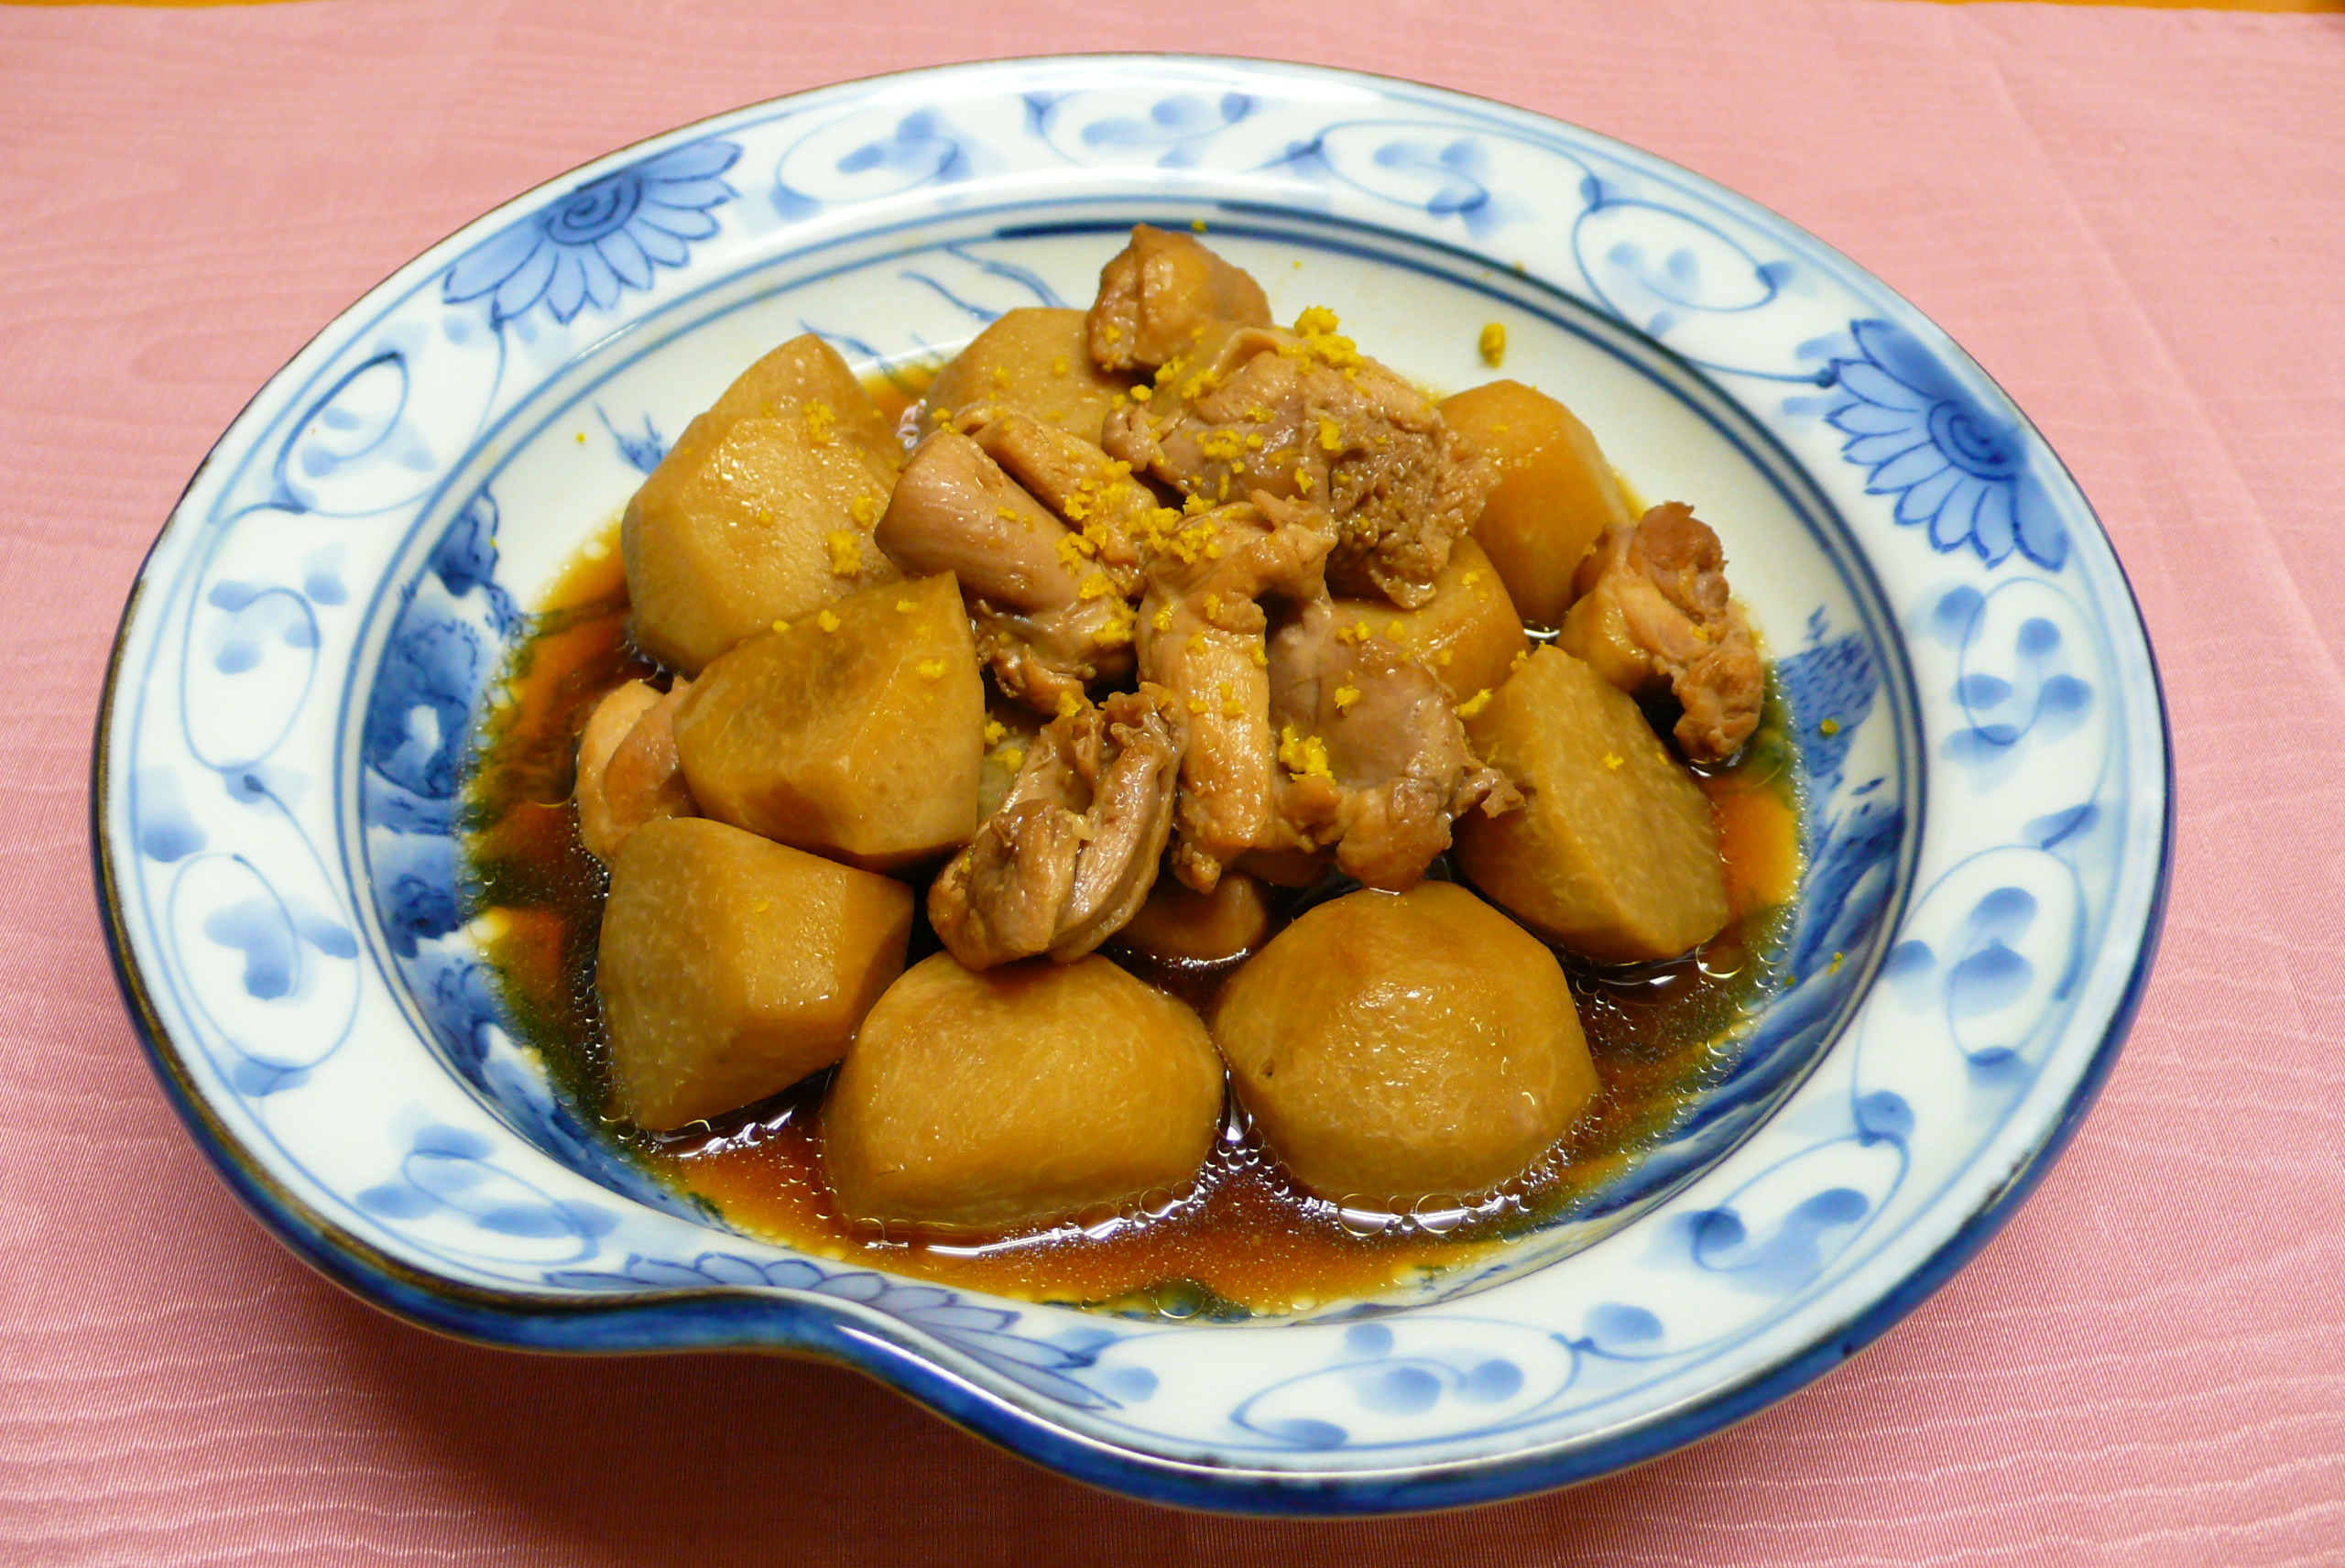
point(2135, 220)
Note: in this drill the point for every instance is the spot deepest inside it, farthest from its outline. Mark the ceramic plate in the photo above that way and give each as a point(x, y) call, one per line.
point(1976, 709)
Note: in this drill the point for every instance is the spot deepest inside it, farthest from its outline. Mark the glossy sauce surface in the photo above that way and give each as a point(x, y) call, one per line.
point(1244, 1241)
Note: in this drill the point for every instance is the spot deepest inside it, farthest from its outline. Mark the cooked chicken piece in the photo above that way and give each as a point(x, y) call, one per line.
point(1070, 854)
point(1654, 610)
point(628, 771)
point(955, 510)
point(1011, 729)
point(1093, 493)
point(1161, 293)
point(1376, 761)
point(1202, 638)
point(1046, 660)
point(1303, 414)
point(1048, 622)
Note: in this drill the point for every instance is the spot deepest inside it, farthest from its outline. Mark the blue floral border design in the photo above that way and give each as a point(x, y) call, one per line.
point(608, 236)
point(1956, 469)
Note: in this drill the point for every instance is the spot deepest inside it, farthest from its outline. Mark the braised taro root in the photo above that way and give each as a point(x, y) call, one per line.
point(1614, 854)
point(731, 966)
point(858, 733)
point(985, 1101)
point(1155, 621)
point(1395, 1048)
point(1035, 361)
point(763, 509)
point(1554, 493)
point(1180, 925)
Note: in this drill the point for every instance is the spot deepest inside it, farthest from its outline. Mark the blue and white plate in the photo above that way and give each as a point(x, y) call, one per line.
point(1977, 712)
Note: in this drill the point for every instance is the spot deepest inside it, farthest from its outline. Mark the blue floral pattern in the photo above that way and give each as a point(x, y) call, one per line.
point(1176, 130)
point(856, 160)
point(642, 451)
point(416, 746)
point(610, 235)
point(328, 612)
point(1957, 470)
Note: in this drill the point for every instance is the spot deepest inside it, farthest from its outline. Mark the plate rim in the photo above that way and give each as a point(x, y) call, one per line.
point(782, 1321)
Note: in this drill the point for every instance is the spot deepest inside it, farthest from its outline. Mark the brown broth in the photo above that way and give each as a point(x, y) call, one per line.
point(1244, 1240)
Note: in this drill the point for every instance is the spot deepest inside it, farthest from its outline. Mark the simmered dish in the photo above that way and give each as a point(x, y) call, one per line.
point(1177, 751)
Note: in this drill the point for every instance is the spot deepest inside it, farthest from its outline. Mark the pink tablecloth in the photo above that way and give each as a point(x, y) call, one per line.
point(2134, 219)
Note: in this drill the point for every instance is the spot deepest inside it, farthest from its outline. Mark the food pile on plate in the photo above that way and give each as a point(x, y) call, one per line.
point(1170, 622)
